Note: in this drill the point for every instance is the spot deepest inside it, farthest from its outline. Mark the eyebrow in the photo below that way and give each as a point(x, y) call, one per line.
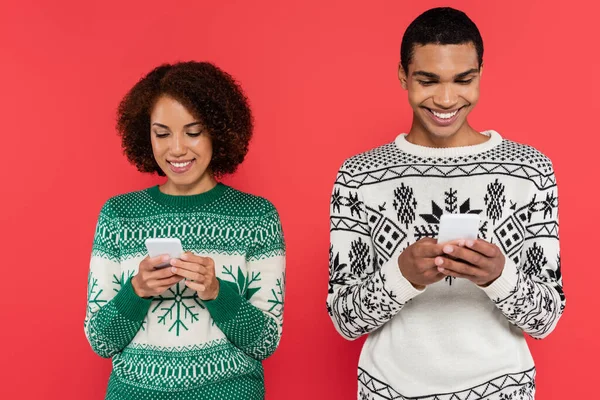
point(431, 75)
point(185, 126)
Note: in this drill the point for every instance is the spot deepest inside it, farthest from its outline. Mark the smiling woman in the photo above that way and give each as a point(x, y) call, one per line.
point(182, 148)
point(199, 93)
point(200, 327)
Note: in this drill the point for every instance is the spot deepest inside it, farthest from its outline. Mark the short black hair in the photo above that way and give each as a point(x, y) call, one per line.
point(442, 25)
point(209, 93)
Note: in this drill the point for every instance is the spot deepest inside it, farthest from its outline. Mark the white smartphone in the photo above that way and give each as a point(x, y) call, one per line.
point(458, 227)
point(160, 246)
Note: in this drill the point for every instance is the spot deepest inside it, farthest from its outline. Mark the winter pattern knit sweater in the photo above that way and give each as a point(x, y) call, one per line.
point(454, 339)
point(176, 346)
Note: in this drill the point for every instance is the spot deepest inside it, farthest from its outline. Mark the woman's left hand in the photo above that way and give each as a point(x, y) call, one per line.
point(199, 273)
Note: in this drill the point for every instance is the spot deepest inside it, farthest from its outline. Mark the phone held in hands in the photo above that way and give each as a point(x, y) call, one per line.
point(458, 227)
point(160, 246)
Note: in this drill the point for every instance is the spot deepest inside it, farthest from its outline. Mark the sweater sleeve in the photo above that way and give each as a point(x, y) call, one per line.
point(114, 312)
point(529, 292)
point(365, 291)
point(249, 307)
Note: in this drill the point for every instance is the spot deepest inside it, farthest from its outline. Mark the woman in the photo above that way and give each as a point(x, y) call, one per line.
point(199, 328)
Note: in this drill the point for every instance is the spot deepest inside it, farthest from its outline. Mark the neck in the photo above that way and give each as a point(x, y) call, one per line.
point(465, 136)
point(206, 183)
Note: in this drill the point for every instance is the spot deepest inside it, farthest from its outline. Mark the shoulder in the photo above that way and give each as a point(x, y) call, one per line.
point(126, 203)
point(510, 151)
point(239, 203)
point(378, 157)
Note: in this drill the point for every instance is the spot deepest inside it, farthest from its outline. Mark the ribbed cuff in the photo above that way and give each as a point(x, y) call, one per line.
point(227, 303)
point(506, 283)
point(397, 284)
point(130, 305)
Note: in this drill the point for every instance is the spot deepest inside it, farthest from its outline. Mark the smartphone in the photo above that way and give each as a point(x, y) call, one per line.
point(160, 246)
point(458, 227)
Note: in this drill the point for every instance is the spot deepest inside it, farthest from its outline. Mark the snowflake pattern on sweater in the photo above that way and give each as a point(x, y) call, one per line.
point(388, 198)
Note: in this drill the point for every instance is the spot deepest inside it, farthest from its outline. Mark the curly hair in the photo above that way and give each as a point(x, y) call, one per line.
point(209, 93)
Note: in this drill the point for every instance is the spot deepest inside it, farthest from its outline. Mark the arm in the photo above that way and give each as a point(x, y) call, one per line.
point(249, 309)
point(114, 312)
point(530, 293)
point(363, 294)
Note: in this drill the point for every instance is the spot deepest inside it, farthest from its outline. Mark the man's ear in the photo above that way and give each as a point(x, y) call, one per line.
point(402, 77)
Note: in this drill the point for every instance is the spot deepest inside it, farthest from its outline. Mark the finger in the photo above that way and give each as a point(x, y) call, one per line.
point(191, 257)
point(194, 276)
point(168, 282)
point(198, 287)
point(189, 266)
point(153, 262)
point(469, 256)
point(426, 263)
point(160, 273)
point(150, 263)
point(483, 247)
point(433, 275)
point(429, 250)
point(448, 272)
point(445, 264)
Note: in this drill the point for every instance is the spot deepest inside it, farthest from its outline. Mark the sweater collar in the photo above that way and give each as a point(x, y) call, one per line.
point(187, 200)
point(442, 152)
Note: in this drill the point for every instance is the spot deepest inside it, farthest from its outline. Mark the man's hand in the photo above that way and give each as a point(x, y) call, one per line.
point(417, 263)
point(479, 261)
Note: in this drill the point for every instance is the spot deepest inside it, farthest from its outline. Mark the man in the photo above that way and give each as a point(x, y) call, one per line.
point(445, 319)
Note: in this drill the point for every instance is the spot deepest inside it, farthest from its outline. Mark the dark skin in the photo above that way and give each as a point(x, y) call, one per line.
point(479, 261)
point(426, 262)
point(199, 273)
point(177, 136)
point(445, 79)
point(417, 263)
point(150, 281)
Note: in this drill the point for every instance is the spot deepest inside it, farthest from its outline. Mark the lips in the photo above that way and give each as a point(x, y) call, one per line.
point(180, 166)
point(444, 115)
point(444, 118)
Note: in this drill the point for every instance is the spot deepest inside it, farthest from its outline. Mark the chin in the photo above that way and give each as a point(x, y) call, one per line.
point(443, 133)
point(180, 180)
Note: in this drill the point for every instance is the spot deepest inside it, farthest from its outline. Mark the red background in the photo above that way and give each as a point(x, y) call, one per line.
point(321, 76)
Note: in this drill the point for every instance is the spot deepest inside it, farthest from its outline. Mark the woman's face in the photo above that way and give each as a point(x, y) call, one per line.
point(181, 146)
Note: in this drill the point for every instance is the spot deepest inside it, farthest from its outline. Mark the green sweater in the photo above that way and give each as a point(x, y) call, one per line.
point(176, 346)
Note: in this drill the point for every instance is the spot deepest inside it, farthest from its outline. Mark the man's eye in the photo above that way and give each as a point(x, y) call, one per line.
point(465, 82)
point(426, 83)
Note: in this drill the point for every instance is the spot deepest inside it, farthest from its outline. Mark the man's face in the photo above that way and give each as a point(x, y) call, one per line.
point(443, 86)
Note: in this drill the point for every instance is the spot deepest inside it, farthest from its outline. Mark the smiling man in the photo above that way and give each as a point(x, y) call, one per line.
point(445, 320)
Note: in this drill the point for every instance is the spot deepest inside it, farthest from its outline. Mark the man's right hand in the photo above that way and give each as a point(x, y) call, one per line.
point(149, 281)
point(417, 263)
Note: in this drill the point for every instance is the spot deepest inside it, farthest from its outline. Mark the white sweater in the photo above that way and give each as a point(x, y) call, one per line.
point(453, 338)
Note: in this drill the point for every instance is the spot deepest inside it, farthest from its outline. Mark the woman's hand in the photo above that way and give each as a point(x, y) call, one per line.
point(199, 273)
point(150, 281)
